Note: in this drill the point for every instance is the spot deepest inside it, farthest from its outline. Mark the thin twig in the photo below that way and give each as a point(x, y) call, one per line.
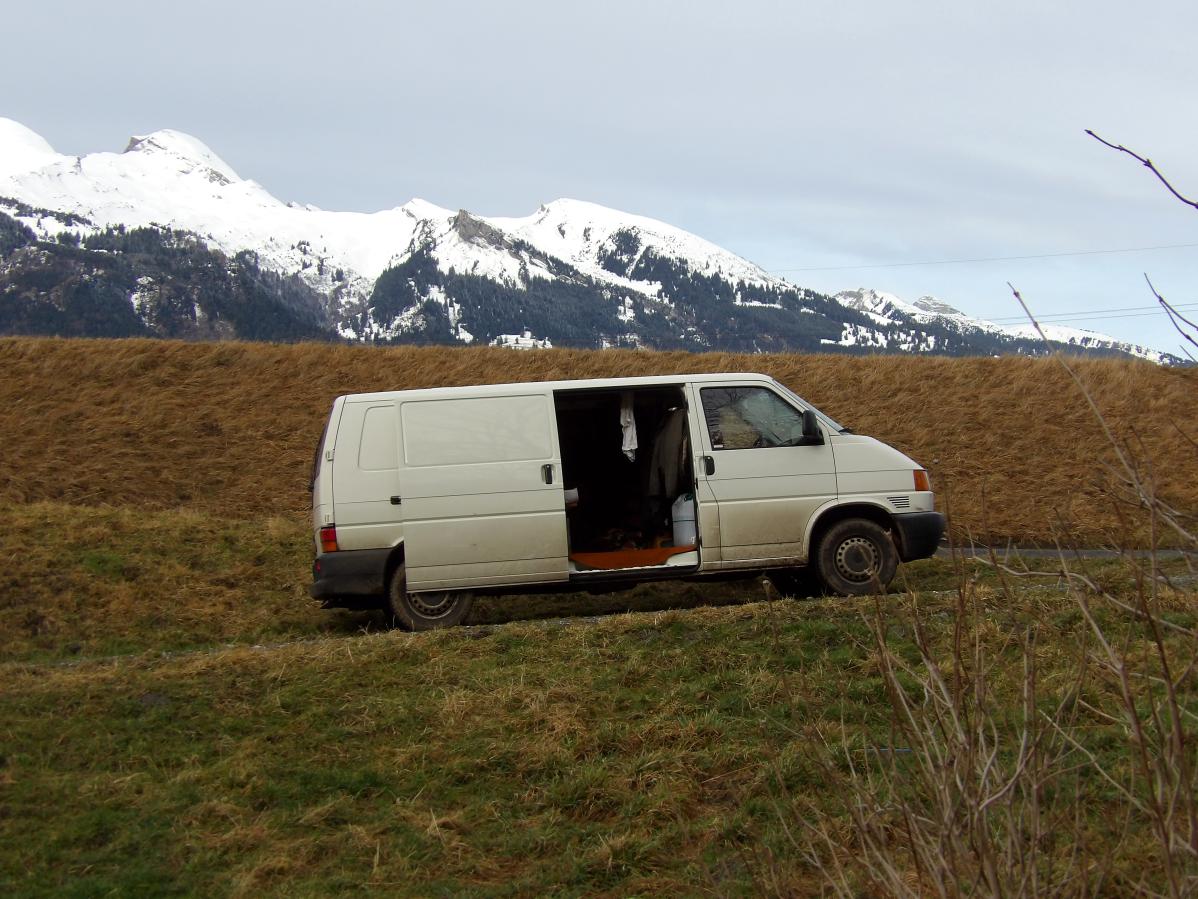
point(1068, 575)
point(1147, 163)
point(1174, 315)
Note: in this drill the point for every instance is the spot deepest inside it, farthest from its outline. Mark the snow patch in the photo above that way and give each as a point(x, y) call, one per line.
point(1080, 337)
point(187, 152)
point(888, 309)
point(23, 150)
point(580, 232)
point(141, 293)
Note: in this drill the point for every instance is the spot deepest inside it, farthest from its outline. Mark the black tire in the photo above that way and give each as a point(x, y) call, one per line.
point(425, 611)
point(856, 557)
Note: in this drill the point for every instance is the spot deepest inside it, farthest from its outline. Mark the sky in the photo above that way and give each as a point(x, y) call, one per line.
point(823, 141)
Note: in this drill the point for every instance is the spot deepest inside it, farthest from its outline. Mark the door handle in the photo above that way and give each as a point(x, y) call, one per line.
point(708, 465)
point(395, 500)
point(547, 473)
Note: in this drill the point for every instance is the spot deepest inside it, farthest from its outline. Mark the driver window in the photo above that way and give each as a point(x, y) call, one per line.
point(749, 417)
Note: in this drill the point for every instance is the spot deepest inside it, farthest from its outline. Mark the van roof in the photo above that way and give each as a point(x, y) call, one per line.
point(580, 384)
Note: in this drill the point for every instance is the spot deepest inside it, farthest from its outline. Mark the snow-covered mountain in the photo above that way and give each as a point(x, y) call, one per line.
point(886, 308)
point(570, 273)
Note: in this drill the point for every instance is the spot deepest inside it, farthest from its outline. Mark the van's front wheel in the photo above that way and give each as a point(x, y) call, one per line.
point(856, 557)
point(425, 611)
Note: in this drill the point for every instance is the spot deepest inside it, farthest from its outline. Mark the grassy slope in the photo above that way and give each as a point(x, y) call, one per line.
point(619, 756)
point(230, 428)
point(86, 583)
point(91, 582)
point(176, 717)
point(642, 754)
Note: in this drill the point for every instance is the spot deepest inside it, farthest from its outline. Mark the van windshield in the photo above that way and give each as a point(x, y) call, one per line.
point(835, 426)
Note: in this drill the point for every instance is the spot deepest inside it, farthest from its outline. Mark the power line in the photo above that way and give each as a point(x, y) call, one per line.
point(842, 268)
point(1089, 314)
point(1088, 318)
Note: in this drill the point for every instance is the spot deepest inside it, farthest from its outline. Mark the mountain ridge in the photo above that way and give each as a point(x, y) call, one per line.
point(421, 273)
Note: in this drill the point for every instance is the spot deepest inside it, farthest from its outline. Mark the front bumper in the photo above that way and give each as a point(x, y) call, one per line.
point(919, 534)
point(354, 573)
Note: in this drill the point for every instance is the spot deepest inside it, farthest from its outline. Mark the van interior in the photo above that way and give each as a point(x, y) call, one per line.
point(627, 508)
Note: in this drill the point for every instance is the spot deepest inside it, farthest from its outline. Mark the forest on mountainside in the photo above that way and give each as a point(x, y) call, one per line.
point(160, 282)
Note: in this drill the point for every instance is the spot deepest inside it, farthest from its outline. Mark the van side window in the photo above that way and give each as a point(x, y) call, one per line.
point(749, 418)
point(379, 449)
point(477, 431)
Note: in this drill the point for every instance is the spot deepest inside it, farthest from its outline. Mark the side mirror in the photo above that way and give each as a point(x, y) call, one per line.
point(811, 432)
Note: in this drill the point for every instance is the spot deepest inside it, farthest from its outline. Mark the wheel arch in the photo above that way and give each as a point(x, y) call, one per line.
point(394, 559)
point(836, 514)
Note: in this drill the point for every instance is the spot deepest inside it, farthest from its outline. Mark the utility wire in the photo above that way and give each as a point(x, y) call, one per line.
point(1079, 318)
point(843, 268)
point(1087, 314)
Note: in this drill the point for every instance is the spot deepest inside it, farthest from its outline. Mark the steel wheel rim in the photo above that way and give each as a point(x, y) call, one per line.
point(432, 605)
point(857, 559)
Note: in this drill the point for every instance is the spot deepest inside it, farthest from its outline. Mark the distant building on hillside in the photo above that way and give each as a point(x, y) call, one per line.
point(523, 341)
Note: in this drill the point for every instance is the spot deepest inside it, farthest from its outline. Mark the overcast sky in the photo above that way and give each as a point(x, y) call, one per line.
point(829, 136)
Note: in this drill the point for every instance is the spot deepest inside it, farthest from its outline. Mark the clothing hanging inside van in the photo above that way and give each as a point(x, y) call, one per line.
point(628, 425)
point(669, 455)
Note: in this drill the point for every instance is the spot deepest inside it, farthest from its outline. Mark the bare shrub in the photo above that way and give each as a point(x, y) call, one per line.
point(1009, 772)
point(1006, 769)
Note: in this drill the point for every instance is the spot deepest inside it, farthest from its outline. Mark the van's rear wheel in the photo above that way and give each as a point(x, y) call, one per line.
point(856, 557)
point(425, 611)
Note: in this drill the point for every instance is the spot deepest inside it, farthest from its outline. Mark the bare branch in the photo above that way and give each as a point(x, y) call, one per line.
point(1069, 576)
point(1127, 466)
point(1174, 315)
point(1122, 455)
point(1147, 163)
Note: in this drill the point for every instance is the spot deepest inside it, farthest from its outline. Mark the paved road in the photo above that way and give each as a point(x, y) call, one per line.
point(1004, 553)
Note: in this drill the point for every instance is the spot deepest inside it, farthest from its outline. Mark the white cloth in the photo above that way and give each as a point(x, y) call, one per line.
point(669, 455)
point(628, 425)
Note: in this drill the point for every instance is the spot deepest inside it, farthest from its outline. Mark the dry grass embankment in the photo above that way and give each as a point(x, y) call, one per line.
point(230, 428)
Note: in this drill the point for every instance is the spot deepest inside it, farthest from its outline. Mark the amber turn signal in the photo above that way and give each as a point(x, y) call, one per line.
point(921, 480)
point(328, 538)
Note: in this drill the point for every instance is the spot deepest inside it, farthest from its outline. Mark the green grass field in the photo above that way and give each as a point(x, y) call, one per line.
point(178, 718)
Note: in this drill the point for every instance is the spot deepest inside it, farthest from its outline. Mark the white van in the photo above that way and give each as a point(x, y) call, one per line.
point(423, 498)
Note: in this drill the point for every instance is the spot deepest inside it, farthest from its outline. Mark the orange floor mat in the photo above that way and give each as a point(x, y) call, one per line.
point(629, 558)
